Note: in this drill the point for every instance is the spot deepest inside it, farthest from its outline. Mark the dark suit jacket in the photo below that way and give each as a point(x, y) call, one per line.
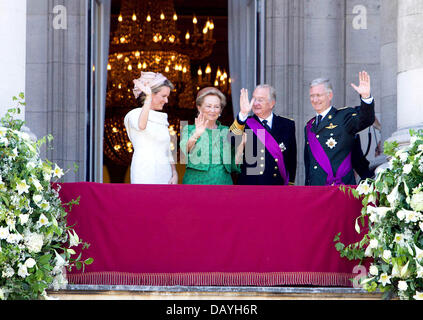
point(340, 125)
point(259, 167)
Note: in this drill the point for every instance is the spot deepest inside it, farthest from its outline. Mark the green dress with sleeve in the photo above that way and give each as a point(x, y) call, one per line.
point(211, 160)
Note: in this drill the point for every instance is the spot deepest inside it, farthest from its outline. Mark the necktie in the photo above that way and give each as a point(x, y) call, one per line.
point(265, 125)
point(319, 119)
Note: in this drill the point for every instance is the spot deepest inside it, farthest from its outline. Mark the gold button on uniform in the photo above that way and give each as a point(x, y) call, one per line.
point(275, 175)
point(276, 160)
point(262, 150)
point(261, 172)
point(276, 168)
point(315, 167)
point(262, 165)
point(317, 136)
point(262, 158)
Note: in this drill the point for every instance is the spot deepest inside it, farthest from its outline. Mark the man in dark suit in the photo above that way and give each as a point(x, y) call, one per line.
point(270, 154)
point(330, 135)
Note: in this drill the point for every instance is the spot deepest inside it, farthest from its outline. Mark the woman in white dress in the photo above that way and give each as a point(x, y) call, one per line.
point(147, 129)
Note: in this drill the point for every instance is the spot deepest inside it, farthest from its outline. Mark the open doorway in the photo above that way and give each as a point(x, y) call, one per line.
point(200, 60)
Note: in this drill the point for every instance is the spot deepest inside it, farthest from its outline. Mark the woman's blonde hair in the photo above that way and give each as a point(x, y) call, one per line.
point(210, 91)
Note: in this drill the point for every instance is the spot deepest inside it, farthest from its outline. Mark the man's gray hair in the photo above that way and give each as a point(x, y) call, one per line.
point(319, 81)
point(272, 91)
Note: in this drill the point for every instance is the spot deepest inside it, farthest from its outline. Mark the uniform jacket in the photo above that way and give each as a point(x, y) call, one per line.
point(259, 167)
point(336, 134)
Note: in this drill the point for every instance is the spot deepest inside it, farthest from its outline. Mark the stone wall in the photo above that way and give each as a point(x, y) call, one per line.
point(55, 81)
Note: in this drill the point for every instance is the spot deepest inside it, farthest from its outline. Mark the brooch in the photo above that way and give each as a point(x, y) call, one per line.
point(331, 143)
point(332, 126)
point(282, 146)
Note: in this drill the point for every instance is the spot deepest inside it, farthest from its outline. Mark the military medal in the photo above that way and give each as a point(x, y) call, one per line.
point(282, 146)
point(331, 143)
point(331, 126)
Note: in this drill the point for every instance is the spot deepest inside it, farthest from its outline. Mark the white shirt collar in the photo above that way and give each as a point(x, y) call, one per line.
point(324, 113)
point(269, 120)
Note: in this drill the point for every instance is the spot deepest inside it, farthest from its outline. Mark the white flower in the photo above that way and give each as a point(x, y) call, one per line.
point(394, 196)
point(30, 263)
point(399, 238)
point(47, 177)
point(368, 252)
point(37, 198)
point(385, 279)
point(73, 239)
point(22, 271)
point(387, 254)
point(418, 295)
point(403, 155)
point(407, 168)
point(45, 205)
point(381, 211)
point(419, 253)
point(4, 233)
point(363, 188)
point(373, 270)
point(22, 187)
point(373, 243)
point(57, 172)
point(401, 214)
point(8, 272)
point(43, 220)
point(24, 218)
point(420, 147)
point(31, 165)
point(1, 294)
point(411, 216)
point(417, 201)
point(34, 242)
point(37, 184)
point(14, 238)
point(402, 285)
point(60, 262)
point(421, 226)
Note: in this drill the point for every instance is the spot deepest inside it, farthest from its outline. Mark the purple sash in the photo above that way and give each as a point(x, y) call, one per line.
point(321, 157)
point(271, 145)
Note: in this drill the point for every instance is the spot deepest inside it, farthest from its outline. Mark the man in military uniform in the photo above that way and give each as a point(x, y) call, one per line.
point(330, 135)
point(270, 154)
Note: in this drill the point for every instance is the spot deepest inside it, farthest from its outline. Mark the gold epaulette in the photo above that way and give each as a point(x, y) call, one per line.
point(237, 128)
point(291, 183)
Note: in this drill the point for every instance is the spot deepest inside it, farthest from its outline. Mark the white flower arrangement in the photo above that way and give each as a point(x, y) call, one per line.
point(34, 237)
point(393, 206)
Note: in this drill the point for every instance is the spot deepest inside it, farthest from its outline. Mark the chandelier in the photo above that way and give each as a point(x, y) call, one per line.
point(147, 39)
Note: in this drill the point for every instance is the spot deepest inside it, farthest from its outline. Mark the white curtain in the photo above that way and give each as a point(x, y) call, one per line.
point(242, 45)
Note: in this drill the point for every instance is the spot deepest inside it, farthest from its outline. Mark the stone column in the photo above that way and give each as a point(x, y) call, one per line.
point(13, 55)
point(410, 69)
point(284, 62)
point(389, 66)
point(324, 56)
point(55, 82)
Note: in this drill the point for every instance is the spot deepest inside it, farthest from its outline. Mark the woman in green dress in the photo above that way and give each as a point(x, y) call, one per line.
point(210, 156)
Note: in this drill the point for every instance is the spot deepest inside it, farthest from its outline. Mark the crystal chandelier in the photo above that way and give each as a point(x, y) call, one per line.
point(147, 39)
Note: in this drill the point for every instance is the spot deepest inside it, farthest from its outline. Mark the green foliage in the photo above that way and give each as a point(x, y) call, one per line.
point(393, 208)
point(35, 239)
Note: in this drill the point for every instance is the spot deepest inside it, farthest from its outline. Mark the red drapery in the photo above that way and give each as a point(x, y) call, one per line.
point(212, 235)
